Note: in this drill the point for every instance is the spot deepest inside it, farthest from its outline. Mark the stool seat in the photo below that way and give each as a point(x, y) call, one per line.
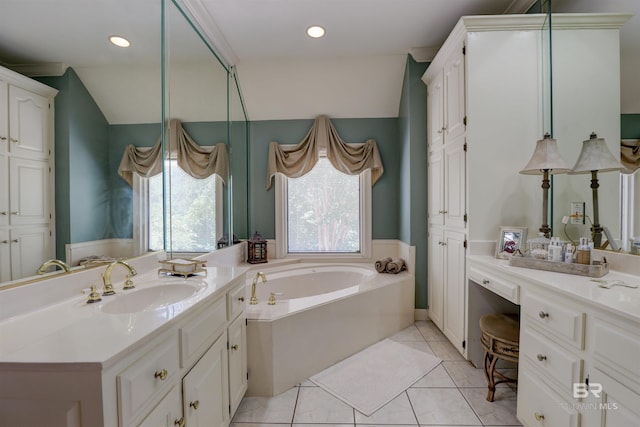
point(500, 335)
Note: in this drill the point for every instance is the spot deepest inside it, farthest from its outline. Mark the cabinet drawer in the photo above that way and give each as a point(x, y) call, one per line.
point(617, 352)
point(507, 290)
point(140, 385)
point(538, 405)
point(559, 365)
point(236, 300)
point(562, 321)
point(200, 332)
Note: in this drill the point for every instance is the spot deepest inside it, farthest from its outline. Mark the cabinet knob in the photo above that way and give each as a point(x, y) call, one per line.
point(543, 315)
point(234, 347)
point(16, 213)
point(486, 282)
point(13, 140)
point(541, 357)
point(241, 299)
point(3, 213)
point(162, 374)
point(5, 241)
point(179, 422)
point(440, 131)
point(15, 240)
point(539, 416)
point(195, 405)
point(444, 212)
point(3, 138)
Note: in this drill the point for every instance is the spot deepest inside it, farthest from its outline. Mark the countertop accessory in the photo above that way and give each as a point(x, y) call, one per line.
point(545, 161)
point(182, 267)
point(608, 284)
point(598, 269)
point(595, 157)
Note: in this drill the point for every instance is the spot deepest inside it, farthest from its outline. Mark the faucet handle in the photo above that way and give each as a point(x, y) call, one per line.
point(94, 296)
point(272, 297)
point(128, 284)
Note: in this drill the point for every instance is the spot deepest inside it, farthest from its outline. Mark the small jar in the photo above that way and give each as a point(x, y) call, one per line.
point(583, 252)
point(539, 246)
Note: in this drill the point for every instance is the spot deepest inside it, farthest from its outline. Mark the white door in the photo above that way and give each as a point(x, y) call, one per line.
point(237, 361)
point(4, 189)
point(436, 276)
point(455, 183)
point(206, 389)
point(5, 256)
point(435, 119)
point(168, 413)
point(454, 86)
point(30, 247)
point(28, 123)
point(4, 116)
point(436, 187)
point(29, 198)
point(454, 289)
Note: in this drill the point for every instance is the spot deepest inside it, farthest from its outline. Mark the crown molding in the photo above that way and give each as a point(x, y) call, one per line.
point(39, 70)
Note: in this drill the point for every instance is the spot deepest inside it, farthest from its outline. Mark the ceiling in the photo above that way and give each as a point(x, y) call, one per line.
point(356, 70)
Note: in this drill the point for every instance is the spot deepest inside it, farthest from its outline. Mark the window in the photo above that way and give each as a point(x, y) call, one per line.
point(194, 207)
point(323, 212)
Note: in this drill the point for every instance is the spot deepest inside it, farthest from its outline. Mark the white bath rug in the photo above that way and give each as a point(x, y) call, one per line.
point(372, 378)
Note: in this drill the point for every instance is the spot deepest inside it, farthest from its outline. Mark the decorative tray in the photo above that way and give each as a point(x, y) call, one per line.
point(182, 267)
point(598, 269)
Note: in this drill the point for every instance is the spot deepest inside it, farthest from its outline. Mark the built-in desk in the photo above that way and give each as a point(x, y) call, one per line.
point(572, 332)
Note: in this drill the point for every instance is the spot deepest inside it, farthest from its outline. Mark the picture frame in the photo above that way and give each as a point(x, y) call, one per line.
point(510, 240)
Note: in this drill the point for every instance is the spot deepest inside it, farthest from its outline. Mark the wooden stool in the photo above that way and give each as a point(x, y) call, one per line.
point(500, 340)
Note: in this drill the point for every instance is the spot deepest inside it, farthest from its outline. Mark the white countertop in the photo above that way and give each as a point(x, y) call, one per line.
point(72, 331)
point(619, 300)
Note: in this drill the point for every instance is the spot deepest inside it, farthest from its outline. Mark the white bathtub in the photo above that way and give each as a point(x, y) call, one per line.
point(326, 313)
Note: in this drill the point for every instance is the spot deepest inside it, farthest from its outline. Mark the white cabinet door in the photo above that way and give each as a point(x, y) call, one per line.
point(435, 119)
point(29, 198)
point(237, 361)
point(454, 85)
point(454, 289)
point(168, 413)
point(455, 195)
point(28, 123)
point(30, 247)
point(436, 276)
point(206, 389)
point(617, 405)
point(5, 256)
point(4, 189)
point(4, 116)
point(436, 187)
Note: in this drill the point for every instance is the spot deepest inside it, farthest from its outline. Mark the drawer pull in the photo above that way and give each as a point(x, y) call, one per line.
point(3, 213)
point(162, 374)
point(179, 422)
point(234, 347)
point(541, 357)
point(241, 299)
point(539, 416)
point(3, 138)
point(15, 141)
point(486, 282)
point(543, 315)
point(195, 405)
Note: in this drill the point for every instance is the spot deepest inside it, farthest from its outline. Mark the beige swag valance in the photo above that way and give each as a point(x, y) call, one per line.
point(198, 161)
point(295, 161)
point(630, 155)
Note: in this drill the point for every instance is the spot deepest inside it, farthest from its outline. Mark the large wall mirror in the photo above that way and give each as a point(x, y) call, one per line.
point(111, 97)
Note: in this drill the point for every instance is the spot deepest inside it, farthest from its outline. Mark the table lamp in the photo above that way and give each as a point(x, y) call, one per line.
point(595, 157)
point(545, 161)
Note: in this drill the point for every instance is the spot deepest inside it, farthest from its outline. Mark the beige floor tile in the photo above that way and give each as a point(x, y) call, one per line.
point(437, 378)
point(316, 406)
point(398, 411)
point(430, 331)
point(277, 409)
point(445, 350)
point(408, 334)
point(499, 412)
point(441, 406)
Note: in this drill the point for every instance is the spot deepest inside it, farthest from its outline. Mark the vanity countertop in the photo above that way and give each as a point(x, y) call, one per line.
point(72, 331)
point(620, 300)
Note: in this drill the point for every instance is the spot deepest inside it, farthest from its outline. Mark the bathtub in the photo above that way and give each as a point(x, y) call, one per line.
point(323, 314)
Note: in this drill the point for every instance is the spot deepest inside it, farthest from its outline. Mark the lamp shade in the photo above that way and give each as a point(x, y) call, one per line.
point(545, 158)
point(595, 156)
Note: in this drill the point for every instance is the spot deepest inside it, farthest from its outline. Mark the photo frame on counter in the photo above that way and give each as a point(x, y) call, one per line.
point(510, 240)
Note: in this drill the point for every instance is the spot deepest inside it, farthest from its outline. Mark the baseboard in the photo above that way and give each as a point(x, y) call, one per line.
point(421, 314)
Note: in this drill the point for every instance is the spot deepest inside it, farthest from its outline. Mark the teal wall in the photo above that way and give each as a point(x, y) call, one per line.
point(82, 164)
point(630, 126)
point(412, 124)
point(385, 194)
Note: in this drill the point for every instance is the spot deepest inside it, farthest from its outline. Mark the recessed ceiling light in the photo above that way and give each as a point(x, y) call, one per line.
point(119, 41)
point(315, 31)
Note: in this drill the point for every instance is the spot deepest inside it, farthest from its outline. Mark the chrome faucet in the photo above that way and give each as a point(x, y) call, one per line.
point(107, 289)
point(254, 299)
point(63, 265)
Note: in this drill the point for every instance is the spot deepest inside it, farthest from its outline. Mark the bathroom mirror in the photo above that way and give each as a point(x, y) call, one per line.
point(110, 97)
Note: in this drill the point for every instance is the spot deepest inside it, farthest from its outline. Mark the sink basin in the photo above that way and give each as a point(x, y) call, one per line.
point(151, 298)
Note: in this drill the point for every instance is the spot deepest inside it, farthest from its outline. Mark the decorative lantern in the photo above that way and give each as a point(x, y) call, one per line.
point(257, 249)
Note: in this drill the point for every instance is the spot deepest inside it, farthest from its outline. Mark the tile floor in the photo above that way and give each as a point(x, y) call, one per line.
point(451, 395)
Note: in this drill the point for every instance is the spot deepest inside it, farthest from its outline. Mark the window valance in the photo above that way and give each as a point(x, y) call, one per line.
point(630, 155)
point(295, 161)
point(196, 160)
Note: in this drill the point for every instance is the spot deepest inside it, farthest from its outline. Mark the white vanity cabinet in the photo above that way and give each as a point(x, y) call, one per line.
point(26, 173)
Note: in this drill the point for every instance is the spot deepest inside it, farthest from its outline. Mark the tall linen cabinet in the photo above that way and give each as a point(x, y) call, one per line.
point(485, 113)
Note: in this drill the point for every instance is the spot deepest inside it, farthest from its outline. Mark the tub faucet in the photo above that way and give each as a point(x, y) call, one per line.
point(254, 299)
point(47, 264)
point(106, 277)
